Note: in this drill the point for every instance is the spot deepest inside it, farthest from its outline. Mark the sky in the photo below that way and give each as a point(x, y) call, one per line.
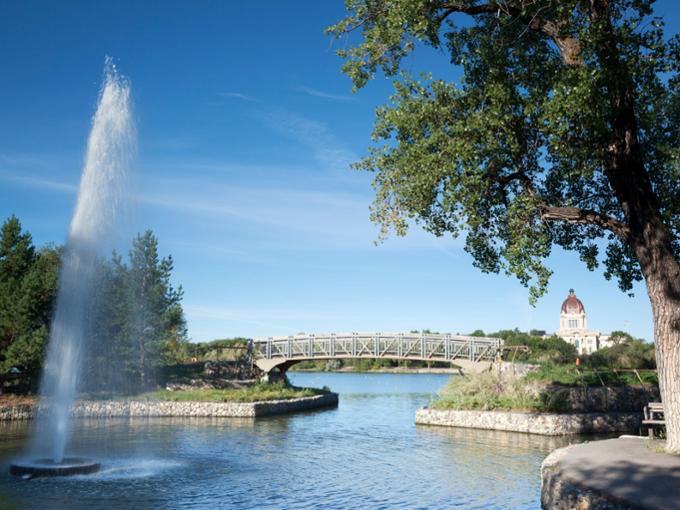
point(247, 129)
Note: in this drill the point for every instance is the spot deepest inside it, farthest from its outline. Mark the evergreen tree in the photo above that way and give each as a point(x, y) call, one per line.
point(28, 284)
point(109, 347)
point(135, 322)
point(157, 324)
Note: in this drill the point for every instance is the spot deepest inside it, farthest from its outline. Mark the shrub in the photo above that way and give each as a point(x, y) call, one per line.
point(629, 353)
point(553, 350)
point(488, 391)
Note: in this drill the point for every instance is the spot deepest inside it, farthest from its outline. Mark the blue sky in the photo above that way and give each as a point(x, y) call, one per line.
point(246, 132)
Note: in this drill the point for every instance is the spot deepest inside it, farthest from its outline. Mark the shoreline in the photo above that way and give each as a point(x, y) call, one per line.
point(167, 408)
point(547, 424)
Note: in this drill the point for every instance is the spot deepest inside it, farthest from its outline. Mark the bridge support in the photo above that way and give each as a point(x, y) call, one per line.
point(273, 370)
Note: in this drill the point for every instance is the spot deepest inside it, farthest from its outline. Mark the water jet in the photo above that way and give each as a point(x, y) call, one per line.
point(101, 197)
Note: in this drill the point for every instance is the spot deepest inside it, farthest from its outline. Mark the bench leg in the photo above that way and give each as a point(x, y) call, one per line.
point(650, 431)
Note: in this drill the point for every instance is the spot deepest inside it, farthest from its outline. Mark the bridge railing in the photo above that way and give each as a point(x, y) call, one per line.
point(435, 347)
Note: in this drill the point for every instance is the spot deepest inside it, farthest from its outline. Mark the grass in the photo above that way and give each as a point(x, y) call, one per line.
point(489, 391)
point(534, 392)
point(256, 393)
point(570, 375)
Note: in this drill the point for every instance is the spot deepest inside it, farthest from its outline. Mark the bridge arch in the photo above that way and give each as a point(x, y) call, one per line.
point(275, 355)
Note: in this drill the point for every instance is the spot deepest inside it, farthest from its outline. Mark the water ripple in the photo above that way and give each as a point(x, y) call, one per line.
point(367, 453)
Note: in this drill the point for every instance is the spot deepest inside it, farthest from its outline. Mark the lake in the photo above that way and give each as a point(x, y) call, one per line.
point(367, 453)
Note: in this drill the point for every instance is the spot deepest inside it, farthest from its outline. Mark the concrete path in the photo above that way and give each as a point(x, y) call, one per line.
point(627, 471)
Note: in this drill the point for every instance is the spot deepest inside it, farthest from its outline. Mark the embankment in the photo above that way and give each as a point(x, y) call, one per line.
point(133, 408)
point(586, 410)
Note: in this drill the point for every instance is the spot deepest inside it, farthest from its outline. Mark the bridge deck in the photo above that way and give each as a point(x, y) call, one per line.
point(408, 346)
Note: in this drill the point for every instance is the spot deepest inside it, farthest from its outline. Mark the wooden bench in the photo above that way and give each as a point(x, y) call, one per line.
point(653, 417)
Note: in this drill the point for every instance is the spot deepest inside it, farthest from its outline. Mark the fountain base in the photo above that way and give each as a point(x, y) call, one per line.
point(47, 467)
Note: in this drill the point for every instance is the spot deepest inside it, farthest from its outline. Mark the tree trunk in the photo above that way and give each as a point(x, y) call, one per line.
point(648, 236)
point(663, 286)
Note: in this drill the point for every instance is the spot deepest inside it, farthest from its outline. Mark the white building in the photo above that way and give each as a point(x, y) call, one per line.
point(574, 327)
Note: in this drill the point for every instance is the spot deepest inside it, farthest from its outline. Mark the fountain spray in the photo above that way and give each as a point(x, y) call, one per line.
point(111, 147)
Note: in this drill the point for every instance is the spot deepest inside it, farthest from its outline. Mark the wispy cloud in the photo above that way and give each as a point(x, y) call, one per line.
point(325, 95)
point(274, 321)
point(39, 183)
point(286, 217)
point(226, 313)
point(329, 152)
point(237, 95)
point(316, 214)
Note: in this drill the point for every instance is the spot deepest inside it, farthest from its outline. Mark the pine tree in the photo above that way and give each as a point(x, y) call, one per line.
point(157, 324)
point(28, 284)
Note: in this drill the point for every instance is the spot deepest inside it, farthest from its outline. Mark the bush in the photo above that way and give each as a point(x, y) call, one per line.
point(630, 353)
point(228, 349)
point(571, 375)
point(553, 350)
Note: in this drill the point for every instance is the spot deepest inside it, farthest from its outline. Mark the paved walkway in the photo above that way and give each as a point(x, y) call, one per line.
point(627, 469)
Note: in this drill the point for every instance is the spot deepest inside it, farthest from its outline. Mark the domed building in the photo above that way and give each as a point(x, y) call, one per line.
point(574, 327)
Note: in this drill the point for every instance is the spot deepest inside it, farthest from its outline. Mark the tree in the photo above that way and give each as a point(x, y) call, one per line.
point(564, 130)
point(111, 365)
point(28, 284)
point(158, 328)
point(17, 255)
point(618, 337)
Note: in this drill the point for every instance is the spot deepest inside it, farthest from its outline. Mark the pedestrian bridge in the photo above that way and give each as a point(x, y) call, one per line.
point(274, 355)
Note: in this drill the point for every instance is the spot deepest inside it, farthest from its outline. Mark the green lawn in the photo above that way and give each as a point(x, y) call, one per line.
point(255, 393)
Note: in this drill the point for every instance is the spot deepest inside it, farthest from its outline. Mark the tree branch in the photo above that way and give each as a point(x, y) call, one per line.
point(584, 216)
point(569, 214)
point(569, 46)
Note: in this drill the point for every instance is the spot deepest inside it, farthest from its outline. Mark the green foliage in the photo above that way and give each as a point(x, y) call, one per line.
point(536, 391)
point(228, 349)
point(518, 154)
point(181, 371)
point(28, 283)
point(620, 336)
point(541, 350)
point(138, 325)
point(488, 391)
point(363, 365)
point(255, 393)
point(628, 353)
point(571, 375)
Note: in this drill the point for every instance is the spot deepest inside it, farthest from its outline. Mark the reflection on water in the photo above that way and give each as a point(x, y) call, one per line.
point(367, 453)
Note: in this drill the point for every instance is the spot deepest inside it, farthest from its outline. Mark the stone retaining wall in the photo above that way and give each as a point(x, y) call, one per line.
point(548, 424)
point(592, 399)
point(111, 409)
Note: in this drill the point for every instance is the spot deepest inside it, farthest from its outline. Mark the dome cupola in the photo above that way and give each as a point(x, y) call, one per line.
point(572, 304)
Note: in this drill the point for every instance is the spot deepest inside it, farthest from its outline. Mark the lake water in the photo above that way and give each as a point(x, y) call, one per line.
point(367, 453)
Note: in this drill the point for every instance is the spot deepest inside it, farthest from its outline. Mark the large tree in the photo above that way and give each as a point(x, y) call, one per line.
point(157, 328)
point(137, 323)
point(563, 130)
point(28, 284)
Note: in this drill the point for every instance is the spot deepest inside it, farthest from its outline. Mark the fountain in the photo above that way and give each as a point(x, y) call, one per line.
point(110, 148)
